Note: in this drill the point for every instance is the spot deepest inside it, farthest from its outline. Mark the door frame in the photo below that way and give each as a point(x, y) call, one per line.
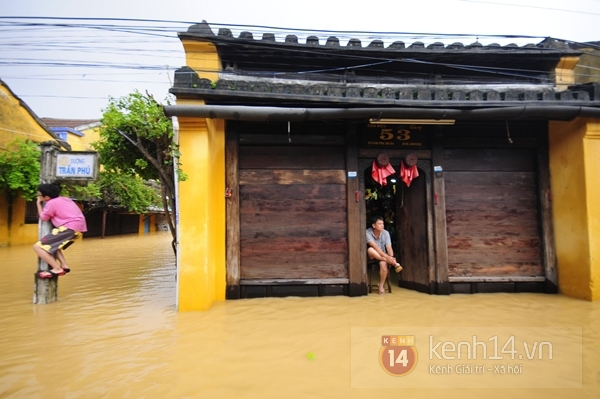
point(424, 163)
point(424, 166)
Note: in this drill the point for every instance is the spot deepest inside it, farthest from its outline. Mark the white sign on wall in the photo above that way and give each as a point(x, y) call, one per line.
point(76, 165)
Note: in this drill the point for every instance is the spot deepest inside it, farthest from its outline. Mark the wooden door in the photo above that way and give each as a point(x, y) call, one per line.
point(413, 246)
point(293, 219)
point(492, 213)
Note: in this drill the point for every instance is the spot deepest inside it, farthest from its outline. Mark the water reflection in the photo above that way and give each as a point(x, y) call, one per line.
point(115, 333)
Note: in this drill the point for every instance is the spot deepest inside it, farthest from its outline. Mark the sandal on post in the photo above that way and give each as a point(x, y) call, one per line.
point(49, 273)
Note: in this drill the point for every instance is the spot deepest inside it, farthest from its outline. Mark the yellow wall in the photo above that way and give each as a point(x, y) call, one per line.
point(19, 232)
point(575, 174)
point(201, 273)
point(17, 121)
point(79, 143)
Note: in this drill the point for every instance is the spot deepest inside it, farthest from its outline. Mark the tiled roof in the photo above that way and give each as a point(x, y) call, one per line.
point(70, 123)
point(204, 30)
point(334, 63)
point(330, 73)
point(188, 83)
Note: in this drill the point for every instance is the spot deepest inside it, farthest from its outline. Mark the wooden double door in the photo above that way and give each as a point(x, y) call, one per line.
point(297, 224)
point(490, 226)
point(408, 217)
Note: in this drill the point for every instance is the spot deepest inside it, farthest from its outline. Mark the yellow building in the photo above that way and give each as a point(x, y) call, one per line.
point(18, 120)
point(282, 140)
point(79, 133)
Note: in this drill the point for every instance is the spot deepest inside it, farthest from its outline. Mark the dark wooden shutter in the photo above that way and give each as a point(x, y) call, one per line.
point(31, 214)
point(293, 221)
point(492, 213)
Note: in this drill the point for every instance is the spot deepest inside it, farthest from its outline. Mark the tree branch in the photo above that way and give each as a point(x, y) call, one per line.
point(163, 177)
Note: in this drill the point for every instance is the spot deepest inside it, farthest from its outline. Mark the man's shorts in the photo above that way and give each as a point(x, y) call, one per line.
point(59, 238)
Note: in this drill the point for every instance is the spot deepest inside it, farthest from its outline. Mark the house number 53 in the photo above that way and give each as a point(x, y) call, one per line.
point(388, 134)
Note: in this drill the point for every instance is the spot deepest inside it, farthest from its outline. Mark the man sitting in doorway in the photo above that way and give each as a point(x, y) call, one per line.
point(379, 246)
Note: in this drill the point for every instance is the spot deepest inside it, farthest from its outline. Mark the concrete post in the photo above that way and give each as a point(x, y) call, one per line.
point(45, 290)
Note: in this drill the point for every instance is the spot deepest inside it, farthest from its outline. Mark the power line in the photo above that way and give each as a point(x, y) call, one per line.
point(262, 28)
point(527, 6)
point(75, 49)
point(65, 96)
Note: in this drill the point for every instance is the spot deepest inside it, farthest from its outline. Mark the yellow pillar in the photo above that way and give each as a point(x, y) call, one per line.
point(591, 148)
point(565, 72)
point(203, 58)
point(152, 228)
point(574, 173)
point(147, 219)
point(201, 253)
point(201, 274)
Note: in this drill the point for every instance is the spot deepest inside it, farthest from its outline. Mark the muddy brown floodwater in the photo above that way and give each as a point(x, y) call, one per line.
point(115, 333)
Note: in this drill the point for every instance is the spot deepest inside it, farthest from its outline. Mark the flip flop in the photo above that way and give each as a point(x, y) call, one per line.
point(49, 274)
point(66, 269)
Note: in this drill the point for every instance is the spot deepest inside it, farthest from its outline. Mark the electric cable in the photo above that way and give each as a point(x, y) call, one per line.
point(166, 34)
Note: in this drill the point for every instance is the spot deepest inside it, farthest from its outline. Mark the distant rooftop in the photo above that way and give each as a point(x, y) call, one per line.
point(77, 124)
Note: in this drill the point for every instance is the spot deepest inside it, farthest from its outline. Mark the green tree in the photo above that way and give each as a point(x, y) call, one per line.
point(117, 190)
point(19, 172)
point(136, 137)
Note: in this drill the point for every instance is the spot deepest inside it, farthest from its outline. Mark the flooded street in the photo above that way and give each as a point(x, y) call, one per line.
point(115, 333)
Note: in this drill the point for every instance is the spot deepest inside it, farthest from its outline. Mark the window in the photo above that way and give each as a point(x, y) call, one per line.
point(31, 215)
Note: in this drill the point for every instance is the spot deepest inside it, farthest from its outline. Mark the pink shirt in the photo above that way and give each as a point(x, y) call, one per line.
point(62, 211)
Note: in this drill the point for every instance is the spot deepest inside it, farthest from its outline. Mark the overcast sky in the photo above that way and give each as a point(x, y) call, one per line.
point(69, 68)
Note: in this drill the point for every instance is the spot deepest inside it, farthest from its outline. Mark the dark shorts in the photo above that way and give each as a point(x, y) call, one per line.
point(59, 238)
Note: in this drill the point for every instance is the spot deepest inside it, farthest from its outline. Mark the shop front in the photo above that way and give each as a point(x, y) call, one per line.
point(287, 167)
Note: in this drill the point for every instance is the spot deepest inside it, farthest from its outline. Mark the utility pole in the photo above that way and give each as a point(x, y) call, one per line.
point(69, 167)
point(45, 290)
